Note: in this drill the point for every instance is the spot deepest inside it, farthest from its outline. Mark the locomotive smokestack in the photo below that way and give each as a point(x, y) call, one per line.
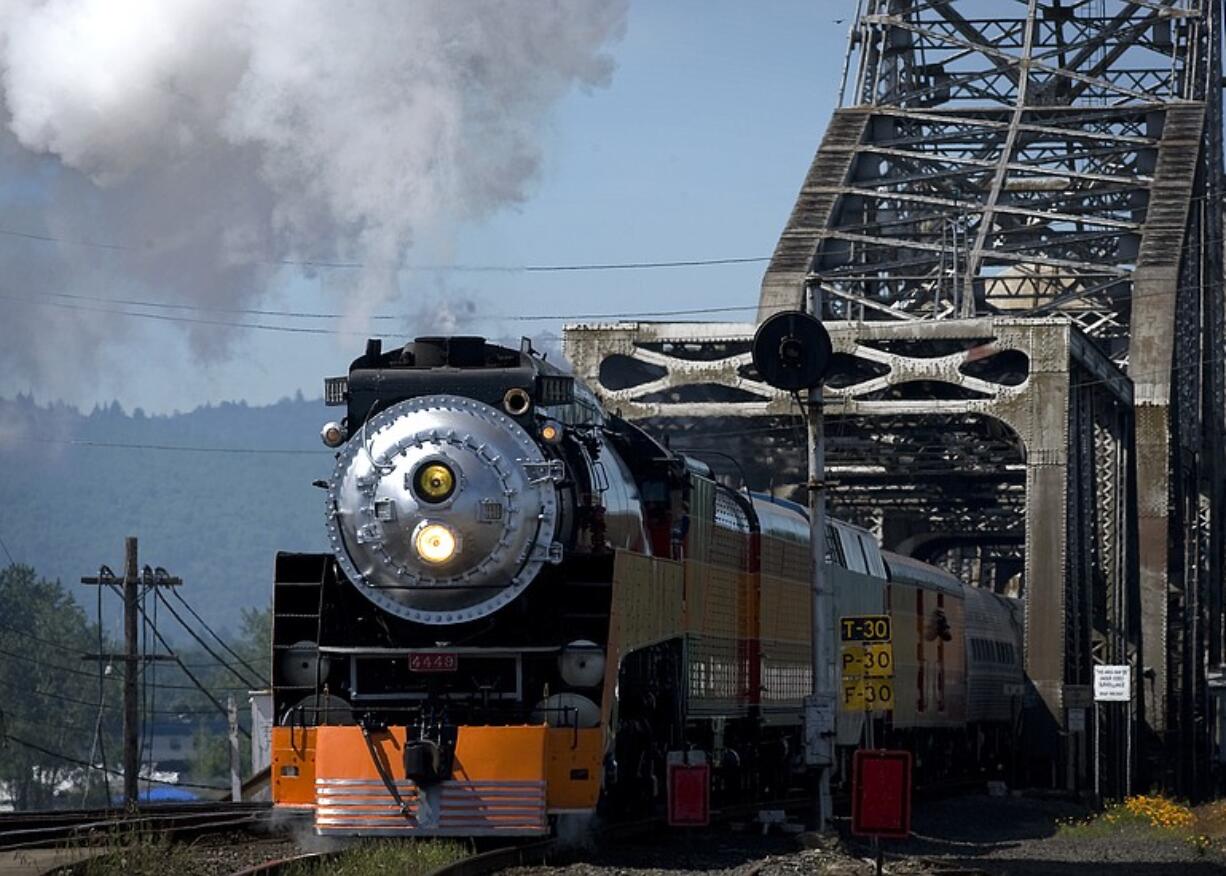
point(459, 351)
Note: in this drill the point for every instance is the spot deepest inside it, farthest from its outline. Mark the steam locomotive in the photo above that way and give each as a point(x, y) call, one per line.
point(532, 607)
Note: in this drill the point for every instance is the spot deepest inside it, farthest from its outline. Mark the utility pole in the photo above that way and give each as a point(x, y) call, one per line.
point(131, 701)
point(236, 782)
point(132, 658)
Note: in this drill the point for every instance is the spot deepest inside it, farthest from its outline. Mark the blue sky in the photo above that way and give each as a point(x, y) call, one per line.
point(695, 150)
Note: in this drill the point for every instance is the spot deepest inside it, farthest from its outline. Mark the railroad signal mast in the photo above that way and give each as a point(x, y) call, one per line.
point(792, 351)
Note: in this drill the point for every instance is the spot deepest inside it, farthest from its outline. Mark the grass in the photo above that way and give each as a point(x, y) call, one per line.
point(379, 857)
point(137, 854)
point(144, 855)
point(1152, 817)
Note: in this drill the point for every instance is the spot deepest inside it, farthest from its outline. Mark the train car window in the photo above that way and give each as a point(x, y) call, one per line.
point(868, 566)
point(834, 550)
point(853, 554)
point(872, 555)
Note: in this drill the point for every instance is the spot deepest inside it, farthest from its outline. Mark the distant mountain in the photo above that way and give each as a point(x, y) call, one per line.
point(213, 515)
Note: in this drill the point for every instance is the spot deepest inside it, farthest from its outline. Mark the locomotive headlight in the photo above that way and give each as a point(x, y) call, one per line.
point(435, 482)
point(436, 543)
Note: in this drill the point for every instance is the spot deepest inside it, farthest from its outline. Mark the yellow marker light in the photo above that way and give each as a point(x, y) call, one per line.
point(436, 543)
point(435, 482)
point(332, 434)
point(551, 433)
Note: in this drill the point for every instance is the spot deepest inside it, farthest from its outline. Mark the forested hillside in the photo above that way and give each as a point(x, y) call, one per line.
point(214, 514)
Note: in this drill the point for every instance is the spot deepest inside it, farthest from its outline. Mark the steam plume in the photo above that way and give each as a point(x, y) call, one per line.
point(188, 149)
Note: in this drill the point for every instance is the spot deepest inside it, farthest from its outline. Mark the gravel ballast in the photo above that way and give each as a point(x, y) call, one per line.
point(1002, 836)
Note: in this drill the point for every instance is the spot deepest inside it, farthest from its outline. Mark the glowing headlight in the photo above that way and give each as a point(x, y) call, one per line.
point(435, 482)
point(436, 543)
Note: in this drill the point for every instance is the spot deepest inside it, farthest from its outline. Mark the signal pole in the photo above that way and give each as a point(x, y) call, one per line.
point(792, 352)
point(131, 658)
point(821, 710)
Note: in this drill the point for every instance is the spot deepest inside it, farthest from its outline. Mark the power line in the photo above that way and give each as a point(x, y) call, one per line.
point(48, 665)
point(312, 330)
point(122, 445)
point(439, 268)
point(26, 634)
point(46, 238)
point(69, 646)
point(195, 681)
point(203, 644)
point(305, 314)
point(98, 743)
point(78, 762)
point(93, 704)
point(161, 317)
point(224, 646)
point(206, 308)
point(7, 553)
point(539, 269)
point(149, 688)
point(93, 676)
point(54, 723)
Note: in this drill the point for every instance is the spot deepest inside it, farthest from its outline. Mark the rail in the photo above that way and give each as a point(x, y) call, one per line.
point(25, 830)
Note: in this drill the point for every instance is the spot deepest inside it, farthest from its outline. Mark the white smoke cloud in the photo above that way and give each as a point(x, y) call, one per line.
point(212, 140)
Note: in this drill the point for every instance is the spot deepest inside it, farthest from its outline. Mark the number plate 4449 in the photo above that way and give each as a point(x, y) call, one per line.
point(436, 662)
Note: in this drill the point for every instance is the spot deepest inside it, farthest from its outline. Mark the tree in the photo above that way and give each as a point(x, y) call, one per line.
point(254, 649)
point(48, 711)
point(256, 643)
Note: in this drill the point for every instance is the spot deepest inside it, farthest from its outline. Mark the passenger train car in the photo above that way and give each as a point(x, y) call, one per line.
point(531, 607)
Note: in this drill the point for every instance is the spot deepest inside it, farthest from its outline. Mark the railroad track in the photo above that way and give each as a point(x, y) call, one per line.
point(34, 829)
point(533, 852)
point(20, 831)
point(541, 851)
point(478, 864)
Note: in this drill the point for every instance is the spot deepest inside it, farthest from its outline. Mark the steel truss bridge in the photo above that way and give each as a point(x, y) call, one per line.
point(1013, 229)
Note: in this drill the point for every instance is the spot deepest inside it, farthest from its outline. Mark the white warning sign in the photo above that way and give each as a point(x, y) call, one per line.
point(1112, 684)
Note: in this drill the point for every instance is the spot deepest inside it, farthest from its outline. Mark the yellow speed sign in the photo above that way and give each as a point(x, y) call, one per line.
point(868, 661)
point(867, 695)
